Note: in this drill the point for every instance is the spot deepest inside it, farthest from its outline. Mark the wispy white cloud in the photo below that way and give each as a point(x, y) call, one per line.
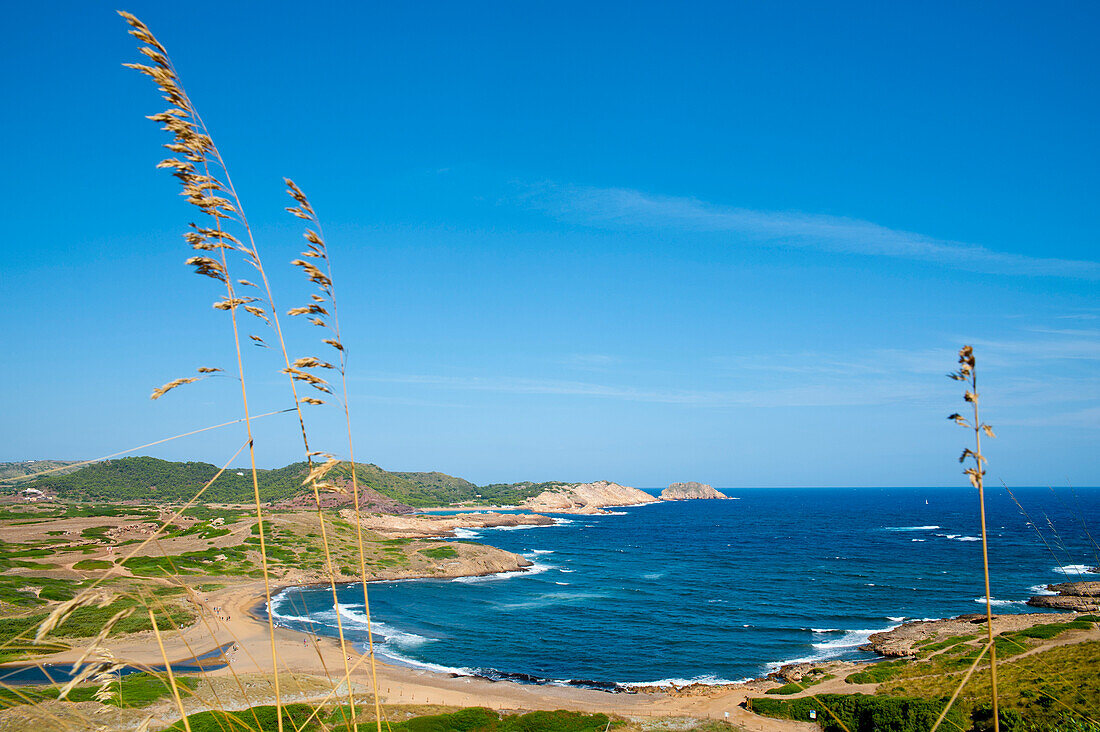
point(821, 394)
point(591, 361)
point(627, 208)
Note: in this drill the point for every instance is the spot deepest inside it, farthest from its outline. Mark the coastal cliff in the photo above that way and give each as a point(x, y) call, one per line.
point(424, 526)
point(586, 498)
point(690, 491)
point(1076, 596)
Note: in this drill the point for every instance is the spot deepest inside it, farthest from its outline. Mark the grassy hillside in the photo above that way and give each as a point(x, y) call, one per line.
point(17, 472)
point(146, 478)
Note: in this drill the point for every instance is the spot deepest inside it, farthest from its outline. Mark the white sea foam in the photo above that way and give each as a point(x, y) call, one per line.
point(1073, 569)
point(388, 633)
point(913, 528)
point(562, 522)
point(653, 575)
point(708, 679)
point(542, 551)
point(275, 609)
point(916, 540)
point(561, 583)
point(427, 666)
point(551, 599)
point(850, 639)
point(495, 577)
point(1000, 603)
point(826, 630)
point(893, 619)
point(461, 533)
point(1041, 590)
point(567, 571)
point(959, 537)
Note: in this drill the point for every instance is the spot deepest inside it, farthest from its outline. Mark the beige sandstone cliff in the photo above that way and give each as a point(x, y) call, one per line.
point(426, 525)
point(586, 498)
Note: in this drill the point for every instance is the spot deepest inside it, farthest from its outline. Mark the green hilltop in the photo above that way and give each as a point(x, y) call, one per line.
point(147, 478)
point(15, 471)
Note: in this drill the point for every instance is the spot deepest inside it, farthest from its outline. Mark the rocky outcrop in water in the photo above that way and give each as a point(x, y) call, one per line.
point(1076, 596)
point(690, 491)
point(586, 498)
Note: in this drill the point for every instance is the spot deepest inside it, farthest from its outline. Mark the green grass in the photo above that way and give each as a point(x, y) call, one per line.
point(136, 690)
point(21, 591)
point(22, 651)
point(473, 719)
point(861, 712)
point(93, 564)
point(1040, 689)
point(812, 679)
point(440, 552)
point(235, 561)
point(934, 645)
point(88, 621)
point(1051, 630)
point(203, 530)
point(96, 533)
point(877, 673)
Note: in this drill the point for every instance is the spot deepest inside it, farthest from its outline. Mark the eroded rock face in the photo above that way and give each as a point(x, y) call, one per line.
point(587, 498)
point(1079, 589)
point(424, 526)
point(1059, 602)
point(1079, 597)
point(690, 491)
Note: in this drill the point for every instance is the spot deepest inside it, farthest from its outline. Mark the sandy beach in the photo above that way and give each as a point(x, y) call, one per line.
point(301, 654)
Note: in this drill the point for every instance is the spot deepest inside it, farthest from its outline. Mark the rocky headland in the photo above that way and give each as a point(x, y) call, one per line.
point(586, 498)
point(420, 526)
point(1075, 596)
point(690, 491)
point(901, 641)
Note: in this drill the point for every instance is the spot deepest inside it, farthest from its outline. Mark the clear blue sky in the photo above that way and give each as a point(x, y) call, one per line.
point(737, 243)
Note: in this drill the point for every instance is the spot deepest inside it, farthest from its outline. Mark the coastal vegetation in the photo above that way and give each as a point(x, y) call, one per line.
point(132, 691)
point(471, 719)
point(862, 712)
point(145, 478)
point(1048, 682)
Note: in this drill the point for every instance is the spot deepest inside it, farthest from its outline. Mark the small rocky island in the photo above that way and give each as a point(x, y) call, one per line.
point(689, 491)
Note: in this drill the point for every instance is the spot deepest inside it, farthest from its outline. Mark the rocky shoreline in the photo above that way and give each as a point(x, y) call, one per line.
point(1073, 596)
point(423, 526)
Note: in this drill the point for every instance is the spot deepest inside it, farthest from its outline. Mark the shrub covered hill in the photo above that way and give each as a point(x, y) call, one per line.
point(146, 478)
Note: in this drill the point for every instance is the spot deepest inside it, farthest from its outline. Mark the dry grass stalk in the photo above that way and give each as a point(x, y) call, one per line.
point(317, 250)
point(196, 157)
point(967, 374)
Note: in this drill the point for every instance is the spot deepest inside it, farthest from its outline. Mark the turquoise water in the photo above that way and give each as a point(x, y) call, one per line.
point(718, 590)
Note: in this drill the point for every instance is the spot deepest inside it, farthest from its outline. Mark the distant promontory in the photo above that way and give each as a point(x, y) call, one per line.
point(689, 491)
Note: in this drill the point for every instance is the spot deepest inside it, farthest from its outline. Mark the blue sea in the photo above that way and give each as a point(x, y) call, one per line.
point(719, 591)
